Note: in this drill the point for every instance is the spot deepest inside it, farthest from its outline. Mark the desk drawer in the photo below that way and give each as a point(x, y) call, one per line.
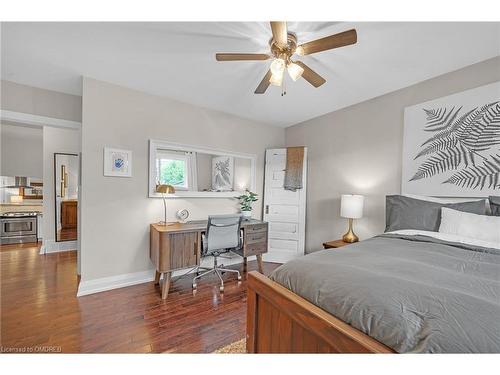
point(256, 228)
point(254, 237)
point(255, 248)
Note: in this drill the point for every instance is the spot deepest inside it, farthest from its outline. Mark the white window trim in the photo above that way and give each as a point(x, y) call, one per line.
point(190, 159)
point(159, 144)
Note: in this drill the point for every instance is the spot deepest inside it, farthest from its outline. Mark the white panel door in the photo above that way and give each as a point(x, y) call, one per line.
point(284, 210)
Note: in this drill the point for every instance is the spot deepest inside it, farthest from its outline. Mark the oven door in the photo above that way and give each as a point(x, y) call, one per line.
point(18, 226)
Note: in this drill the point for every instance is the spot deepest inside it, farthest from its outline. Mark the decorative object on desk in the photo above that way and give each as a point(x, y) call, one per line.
point(16, 199)
point(117, 163)
point(182, 215)
point(222, 173)
point(451, 145)
point(165, 189)
point(351, 207)
point(246, 201)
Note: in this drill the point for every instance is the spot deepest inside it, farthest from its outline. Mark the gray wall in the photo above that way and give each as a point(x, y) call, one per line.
point(116, 212)
point(21, 151)
point(358, 150)
point(41, 102)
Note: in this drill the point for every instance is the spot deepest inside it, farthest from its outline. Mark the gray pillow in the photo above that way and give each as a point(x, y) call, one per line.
point(410, 213)
point(494, 205)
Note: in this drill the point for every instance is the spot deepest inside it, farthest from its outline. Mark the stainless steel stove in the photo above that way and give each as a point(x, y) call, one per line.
point(18, 227)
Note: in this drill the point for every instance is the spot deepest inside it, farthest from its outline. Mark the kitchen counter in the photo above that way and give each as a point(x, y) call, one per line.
point(13, 207)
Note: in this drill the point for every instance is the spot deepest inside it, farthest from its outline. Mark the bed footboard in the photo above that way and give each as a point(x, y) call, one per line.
point(280, 321)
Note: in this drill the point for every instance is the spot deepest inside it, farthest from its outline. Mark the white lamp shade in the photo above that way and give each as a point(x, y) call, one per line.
point(351, 206)
point(276, 79)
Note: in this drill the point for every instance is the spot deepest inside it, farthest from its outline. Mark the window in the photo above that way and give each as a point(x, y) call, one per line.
point(176, 168)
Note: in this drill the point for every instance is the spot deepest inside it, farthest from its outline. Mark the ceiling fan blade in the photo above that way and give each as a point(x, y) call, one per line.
point(310, 75)
point(280, 33)
point(241, 56)
point(264, 84)
point(333, 41)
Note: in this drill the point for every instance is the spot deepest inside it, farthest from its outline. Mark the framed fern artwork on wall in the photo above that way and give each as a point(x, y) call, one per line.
point(222, 173)
point(451, 145)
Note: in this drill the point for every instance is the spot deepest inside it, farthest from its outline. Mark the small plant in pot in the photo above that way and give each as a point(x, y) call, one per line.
point(246, 201)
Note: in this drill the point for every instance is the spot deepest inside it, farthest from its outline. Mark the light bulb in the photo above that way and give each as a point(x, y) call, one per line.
point(278, 67)
point(295, 71)
point(276, 79)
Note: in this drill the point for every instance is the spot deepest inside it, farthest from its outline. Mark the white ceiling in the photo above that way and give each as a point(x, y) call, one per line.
point(177, 60)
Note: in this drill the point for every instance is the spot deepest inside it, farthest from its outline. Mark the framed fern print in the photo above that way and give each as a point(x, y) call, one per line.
point(222, 173)
point(451, 145)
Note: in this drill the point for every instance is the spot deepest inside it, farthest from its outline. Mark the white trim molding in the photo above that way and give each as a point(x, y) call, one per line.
point(87, 287)
point(51, 246)
point(103, 284)
point(35, 120)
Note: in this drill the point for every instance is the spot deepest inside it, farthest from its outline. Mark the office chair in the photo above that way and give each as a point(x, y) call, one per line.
point(222, 236)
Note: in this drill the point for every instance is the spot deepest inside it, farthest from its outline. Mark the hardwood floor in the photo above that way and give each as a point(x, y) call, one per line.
point(40, 311)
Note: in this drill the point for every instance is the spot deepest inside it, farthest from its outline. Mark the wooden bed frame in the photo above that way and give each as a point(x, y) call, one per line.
point(280, 321)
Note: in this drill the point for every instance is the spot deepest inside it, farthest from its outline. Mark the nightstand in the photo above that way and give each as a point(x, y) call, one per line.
point(335, 244)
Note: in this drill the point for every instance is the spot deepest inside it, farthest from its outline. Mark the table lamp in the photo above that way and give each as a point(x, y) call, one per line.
point(351, 207)
point(165, 189)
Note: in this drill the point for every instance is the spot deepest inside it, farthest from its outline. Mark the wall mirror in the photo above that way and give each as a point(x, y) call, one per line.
point(66, 167)
point(200, 172)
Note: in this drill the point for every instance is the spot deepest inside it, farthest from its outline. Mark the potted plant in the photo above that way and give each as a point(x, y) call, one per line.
point(246, 201)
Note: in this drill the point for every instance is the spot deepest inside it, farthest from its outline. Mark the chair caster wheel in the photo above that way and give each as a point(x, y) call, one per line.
point(194, 286)
point(239, 277)
point(221, 288)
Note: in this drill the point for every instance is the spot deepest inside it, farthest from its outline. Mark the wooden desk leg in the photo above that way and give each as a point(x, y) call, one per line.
point(157, 277)
point(259, 263)
point(244, 264)
point(166, 285)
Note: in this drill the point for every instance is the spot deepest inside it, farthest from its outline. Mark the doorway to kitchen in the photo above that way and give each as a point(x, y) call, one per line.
point(54, 188)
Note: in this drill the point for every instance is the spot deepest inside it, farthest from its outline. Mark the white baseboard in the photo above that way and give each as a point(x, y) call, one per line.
point(114, 282)
point(51, 246)
point(103, 284)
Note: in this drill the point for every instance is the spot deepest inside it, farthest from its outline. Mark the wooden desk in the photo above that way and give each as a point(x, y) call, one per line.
point(178, 245)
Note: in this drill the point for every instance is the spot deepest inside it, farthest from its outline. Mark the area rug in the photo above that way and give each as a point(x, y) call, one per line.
point(238, 347)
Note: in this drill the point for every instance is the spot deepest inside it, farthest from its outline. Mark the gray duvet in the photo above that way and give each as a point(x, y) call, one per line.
point(413, 293)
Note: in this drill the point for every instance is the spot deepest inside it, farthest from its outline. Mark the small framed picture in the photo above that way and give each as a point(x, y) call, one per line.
point(117, 163)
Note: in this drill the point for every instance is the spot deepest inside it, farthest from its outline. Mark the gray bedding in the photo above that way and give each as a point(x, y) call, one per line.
point(413, 293)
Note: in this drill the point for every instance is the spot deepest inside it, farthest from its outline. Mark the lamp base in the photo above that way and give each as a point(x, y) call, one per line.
point(165, 223)
point(350, 237)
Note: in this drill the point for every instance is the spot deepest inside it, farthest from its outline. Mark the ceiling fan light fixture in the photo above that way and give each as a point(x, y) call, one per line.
point(295, 71)
point(276, 79)
point(278, 66)
point(282, 47)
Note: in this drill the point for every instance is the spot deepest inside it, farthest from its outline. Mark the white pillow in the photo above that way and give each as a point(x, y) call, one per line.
point(443, 200)
point(479, 227)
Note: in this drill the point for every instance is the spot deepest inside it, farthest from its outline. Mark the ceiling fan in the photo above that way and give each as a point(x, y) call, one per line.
point(283, 47)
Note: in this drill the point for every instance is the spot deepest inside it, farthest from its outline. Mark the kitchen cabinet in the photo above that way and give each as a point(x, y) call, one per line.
point(69, 214)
